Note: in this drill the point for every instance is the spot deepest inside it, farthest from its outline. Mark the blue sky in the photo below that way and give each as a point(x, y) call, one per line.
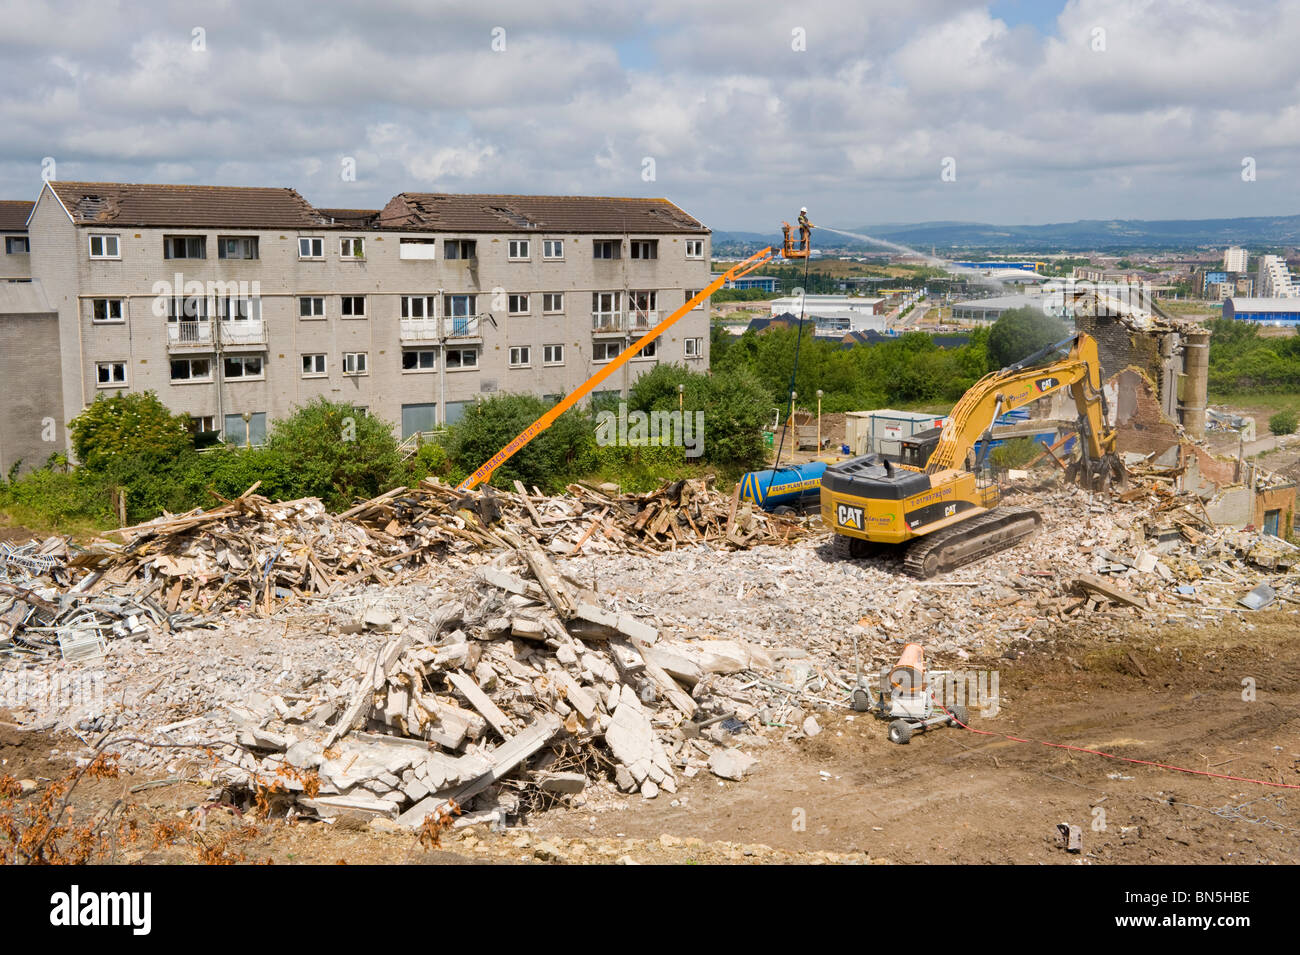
point(867, 112)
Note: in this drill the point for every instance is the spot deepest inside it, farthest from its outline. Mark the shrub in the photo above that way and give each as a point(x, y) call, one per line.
point(1284, 422)
point(127, 427)
point(330, 450)
point(548, 461)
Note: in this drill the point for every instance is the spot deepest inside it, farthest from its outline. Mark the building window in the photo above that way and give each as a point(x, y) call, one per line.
point(605, 350)
point(104, 247)
point(695, 248)
point(691, 293)
point(17, 245)
point(425, 360)
point(517, 304)
point(552, 302)
point(191, 369)
point(520, 356)
point(644, 249)
point(462, 358)
point(236, 309)
point(354, 363)
point(519, 249)
point(352, 248)
point(311, 248)
point(552, 354)
point(237, 247)
point(417, 306)
point(242, 366)
point(606, 248)
point(459, 249)
point(189, 310)
point(552, 249)
point(313, 366)
point(694, 347)
point(420, 418)
point(250, 433)
point(605, 313)
point(354, 306)
point(413, 248)
point(651, 350)
point(311, 306)
point(106, 310)
point(110, 374)
point(202, 424)
point(185, 247)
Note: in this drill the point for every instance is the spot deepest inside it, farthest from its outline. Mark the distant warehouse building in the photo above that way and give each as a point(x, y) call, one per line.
point(1266, 311)
point(764, 283)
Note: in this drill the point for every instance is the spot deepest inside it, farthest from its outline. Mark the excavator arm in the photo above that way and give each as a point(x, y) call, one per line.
point(1033, 378)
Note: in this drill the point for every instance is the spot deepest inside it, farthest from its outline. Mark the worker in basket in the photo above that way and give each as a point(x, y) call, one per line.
point(805, 229)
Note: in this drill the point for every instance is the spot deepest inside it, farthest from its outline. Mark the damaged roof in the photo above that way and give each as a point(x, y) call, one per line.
point(497, 213)
point(13, 215)
point(195, 207)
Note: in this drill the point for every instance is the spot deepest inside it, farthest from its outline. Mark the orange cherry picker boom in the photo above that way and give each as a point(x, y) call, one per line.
point(788, 250)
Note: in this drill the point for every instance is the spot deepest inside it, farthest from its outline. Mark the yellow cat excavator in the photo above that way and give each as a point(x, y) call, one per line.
point(944, 513)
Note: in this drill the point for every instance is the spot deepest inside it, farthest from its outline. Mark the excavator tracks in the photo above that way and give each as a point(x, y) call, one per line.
point(968, 541)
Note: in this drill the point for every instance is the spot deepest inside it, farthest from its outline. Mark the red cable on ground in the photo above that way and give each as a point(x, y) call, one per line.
point(1125, 759)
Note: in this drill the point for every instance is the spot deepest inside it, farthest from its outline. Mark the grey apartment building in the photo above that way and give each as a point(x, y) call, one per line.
point(237, 304)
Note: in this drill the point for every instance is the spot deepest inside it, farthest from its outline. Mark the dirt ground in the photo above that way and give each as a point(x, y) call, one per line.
point(1171, 695)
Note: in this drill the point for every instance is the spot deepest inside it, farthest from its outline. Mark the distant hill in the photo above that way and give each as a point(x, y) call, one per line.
point(1081, 236)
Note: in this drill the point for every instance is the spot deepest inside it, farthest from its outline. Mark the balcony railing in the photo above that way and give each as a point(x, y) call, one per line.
point(434, 329)
point(642, 320)
point(606, 321)
point(181, 335)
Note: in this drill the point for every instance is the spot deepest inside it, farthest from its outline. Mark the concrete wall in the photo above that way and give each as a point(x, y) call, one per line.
point(31, 401)
point(61, 259)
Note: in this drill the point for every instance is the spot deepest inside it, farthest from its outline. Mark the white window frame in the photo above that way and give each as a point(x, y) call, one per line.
point(556, 307)
point(693, 347)
point(324, 365)
point(698, 244)
point(460, 352)
point(553, 250)
point(186, 238)
point(358, 244)
point(649, 350)
point(316, 242)
point(610, 349)
point(191, 380)
point(513, 302)
point(108, 302)
point(242, 361)
point(521, 356)
point(690, 293)
point(359, 368)
point(556, 356)
point(111, 383)
point(343, 301)
point(519, 250)
point(417, 370)
point(104, 237)
point(428, 307)
point(312, 298)
point(250, 242)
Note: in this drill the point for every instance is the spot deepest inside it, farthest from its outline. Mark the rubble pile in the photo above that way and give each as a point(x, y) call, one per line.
point(252, 555)
point(524, 692)
point(44, 614)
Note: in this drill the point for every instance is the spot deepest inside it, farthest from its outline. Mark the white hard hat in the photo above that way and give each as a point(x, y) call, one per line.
point(803, 208)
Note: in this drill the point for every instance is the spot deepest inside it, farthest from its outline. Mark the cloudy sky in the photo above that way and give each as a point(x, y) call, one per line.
point(738, 111)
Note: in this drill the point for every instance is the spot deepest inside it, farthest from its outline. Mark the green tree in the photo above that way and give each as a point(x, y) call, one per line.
point(549, 460)
point(333, 451)
point(1019, 332)
point(134, 426)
